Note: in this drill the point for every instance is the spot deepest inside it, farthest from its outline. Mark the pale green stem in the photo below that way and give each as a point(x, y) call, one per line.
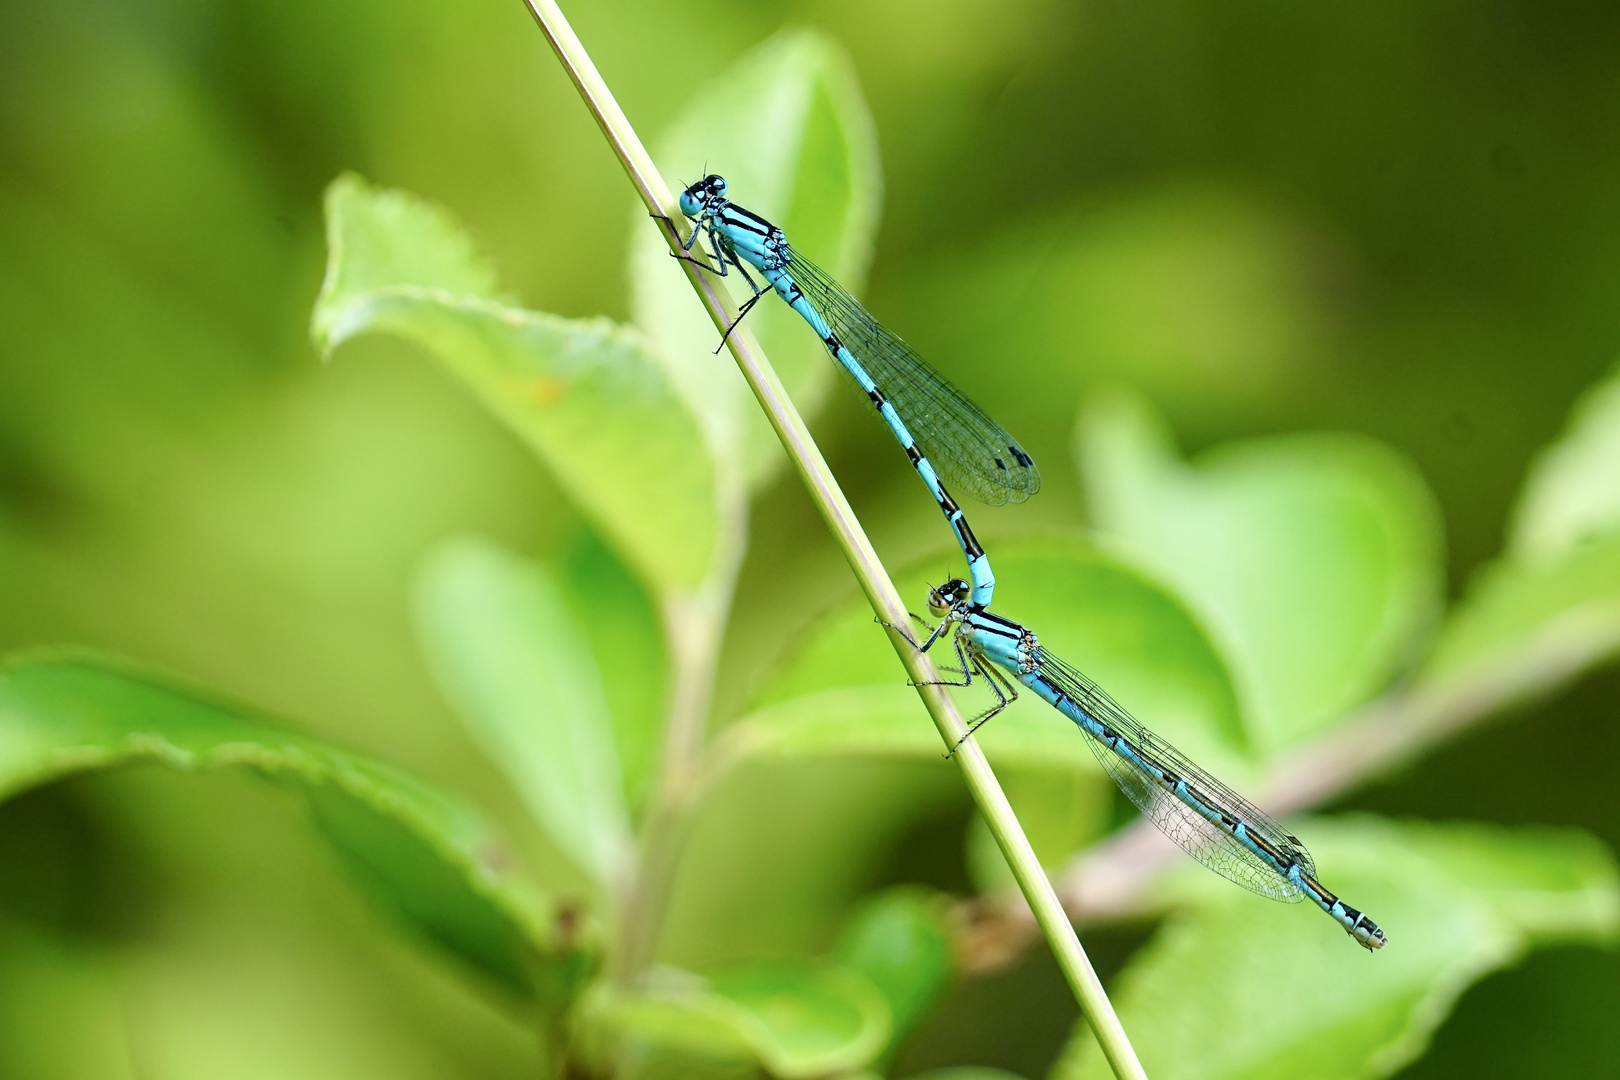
point(693, 624)
point(874, 580)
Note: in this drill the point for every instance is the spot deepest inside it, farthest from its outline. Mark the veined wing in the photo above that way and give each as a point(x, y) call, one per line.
point(1210, 843)
point(971, 451)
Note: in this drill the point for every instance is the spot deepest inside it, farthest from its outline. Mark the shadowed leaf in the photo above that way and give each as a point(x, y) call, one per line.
point(423, 855)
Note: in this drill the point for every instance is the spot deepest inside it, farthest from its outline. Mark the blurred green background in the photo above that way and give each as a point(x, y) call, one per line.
point(1389, 219)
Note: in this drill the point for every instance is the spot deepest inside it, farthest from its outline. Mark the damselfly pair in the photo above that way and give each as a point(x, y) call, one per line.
point(934, 422)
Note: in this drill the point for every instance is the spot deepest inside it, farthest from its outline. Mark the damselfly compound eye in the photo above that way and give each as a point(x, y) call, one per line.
point(694, 198)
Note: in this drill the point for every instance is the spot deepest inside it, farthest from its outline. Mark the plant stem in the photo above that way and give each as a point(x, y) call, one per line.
point(693, 624)
point(863, 559)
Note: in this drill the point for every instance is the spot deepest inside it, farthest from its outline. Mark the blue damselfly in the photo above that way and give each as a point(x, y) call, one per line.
point(934, 422)
point(1207, 819)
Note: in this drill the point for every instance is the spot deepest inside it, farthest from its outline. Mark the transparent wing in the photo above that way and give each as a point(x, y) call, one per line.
point(971, 451)
point(1204, 840)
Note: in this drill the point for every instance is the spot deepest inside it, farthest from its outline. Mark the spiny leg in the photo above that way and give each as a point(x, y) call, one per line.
point(700, 264)
point(935, 632)
point(667, 220)
point(928, 644)
point(996, 680)
point(686, 245)
point(721, 257)
point(717, 267)
point(746, 308)
point(964, 671)
point(752, 284)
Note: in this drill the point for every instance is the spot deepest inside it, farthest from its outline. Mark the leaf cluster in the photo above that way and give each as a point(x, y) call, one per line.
point(1269, 601)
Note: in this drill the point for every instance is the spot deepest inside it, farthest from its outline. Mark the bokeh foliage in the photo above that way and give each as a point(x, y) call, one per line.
point(1389, 221)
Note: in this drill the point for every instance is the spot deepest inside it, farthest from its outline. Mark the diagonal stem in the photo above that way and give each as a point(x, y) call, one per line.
point(858, 550)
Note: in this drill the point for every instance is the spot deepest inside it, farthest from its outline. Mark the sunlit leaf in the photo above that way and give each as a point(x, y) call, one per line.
point(788, 128)
point(1553, 884)
point(889, 722)
point(1314, 559)
point(586, 395)
point(1528, 628)
point(797, 1018)
point(515, 662)
point(424, 856)
point(381, 239)
point(1573, 491)
point(619, 621)
point(1550, 607)
point(805, 1018)
point(844, 692)
point(1234, 987)
point(675, 1028)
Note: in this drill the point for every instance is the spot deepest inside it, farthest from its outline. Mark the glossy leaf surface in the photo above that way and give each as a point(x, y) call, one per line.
point(587, 395)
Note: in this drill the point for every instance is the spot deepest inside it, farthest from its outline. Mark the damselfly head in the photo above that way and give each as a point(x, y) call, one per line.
point(943, 600)
point(697, 196)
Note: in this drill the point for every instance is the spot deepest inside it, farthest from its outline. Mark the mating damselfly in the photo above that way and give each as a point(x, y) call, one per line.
point(1207, 819)
point(935, 423)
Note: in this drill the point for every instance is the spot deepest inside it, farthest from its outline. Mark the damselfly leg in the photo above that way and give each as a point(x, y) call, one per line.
point(996, 680)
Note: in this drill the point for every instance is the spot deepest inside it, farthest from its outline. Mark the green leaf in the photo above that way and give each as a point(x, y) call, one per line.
point(621, 625)
point(1550, 608)
point(1314, 559)
point(379, 239)
point(806, 1018)
point(1572, 494)
point(789, 129)
point(1553, 884)
point(587, 396)
point(1092, 609)
point(1528, 628)
point(424, 856)
point(1236, 987)
point(511, 657)
point(797, 1018)
point(671, 1028)
point(901, 941)
point(965, 1072)
point(889, 722)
